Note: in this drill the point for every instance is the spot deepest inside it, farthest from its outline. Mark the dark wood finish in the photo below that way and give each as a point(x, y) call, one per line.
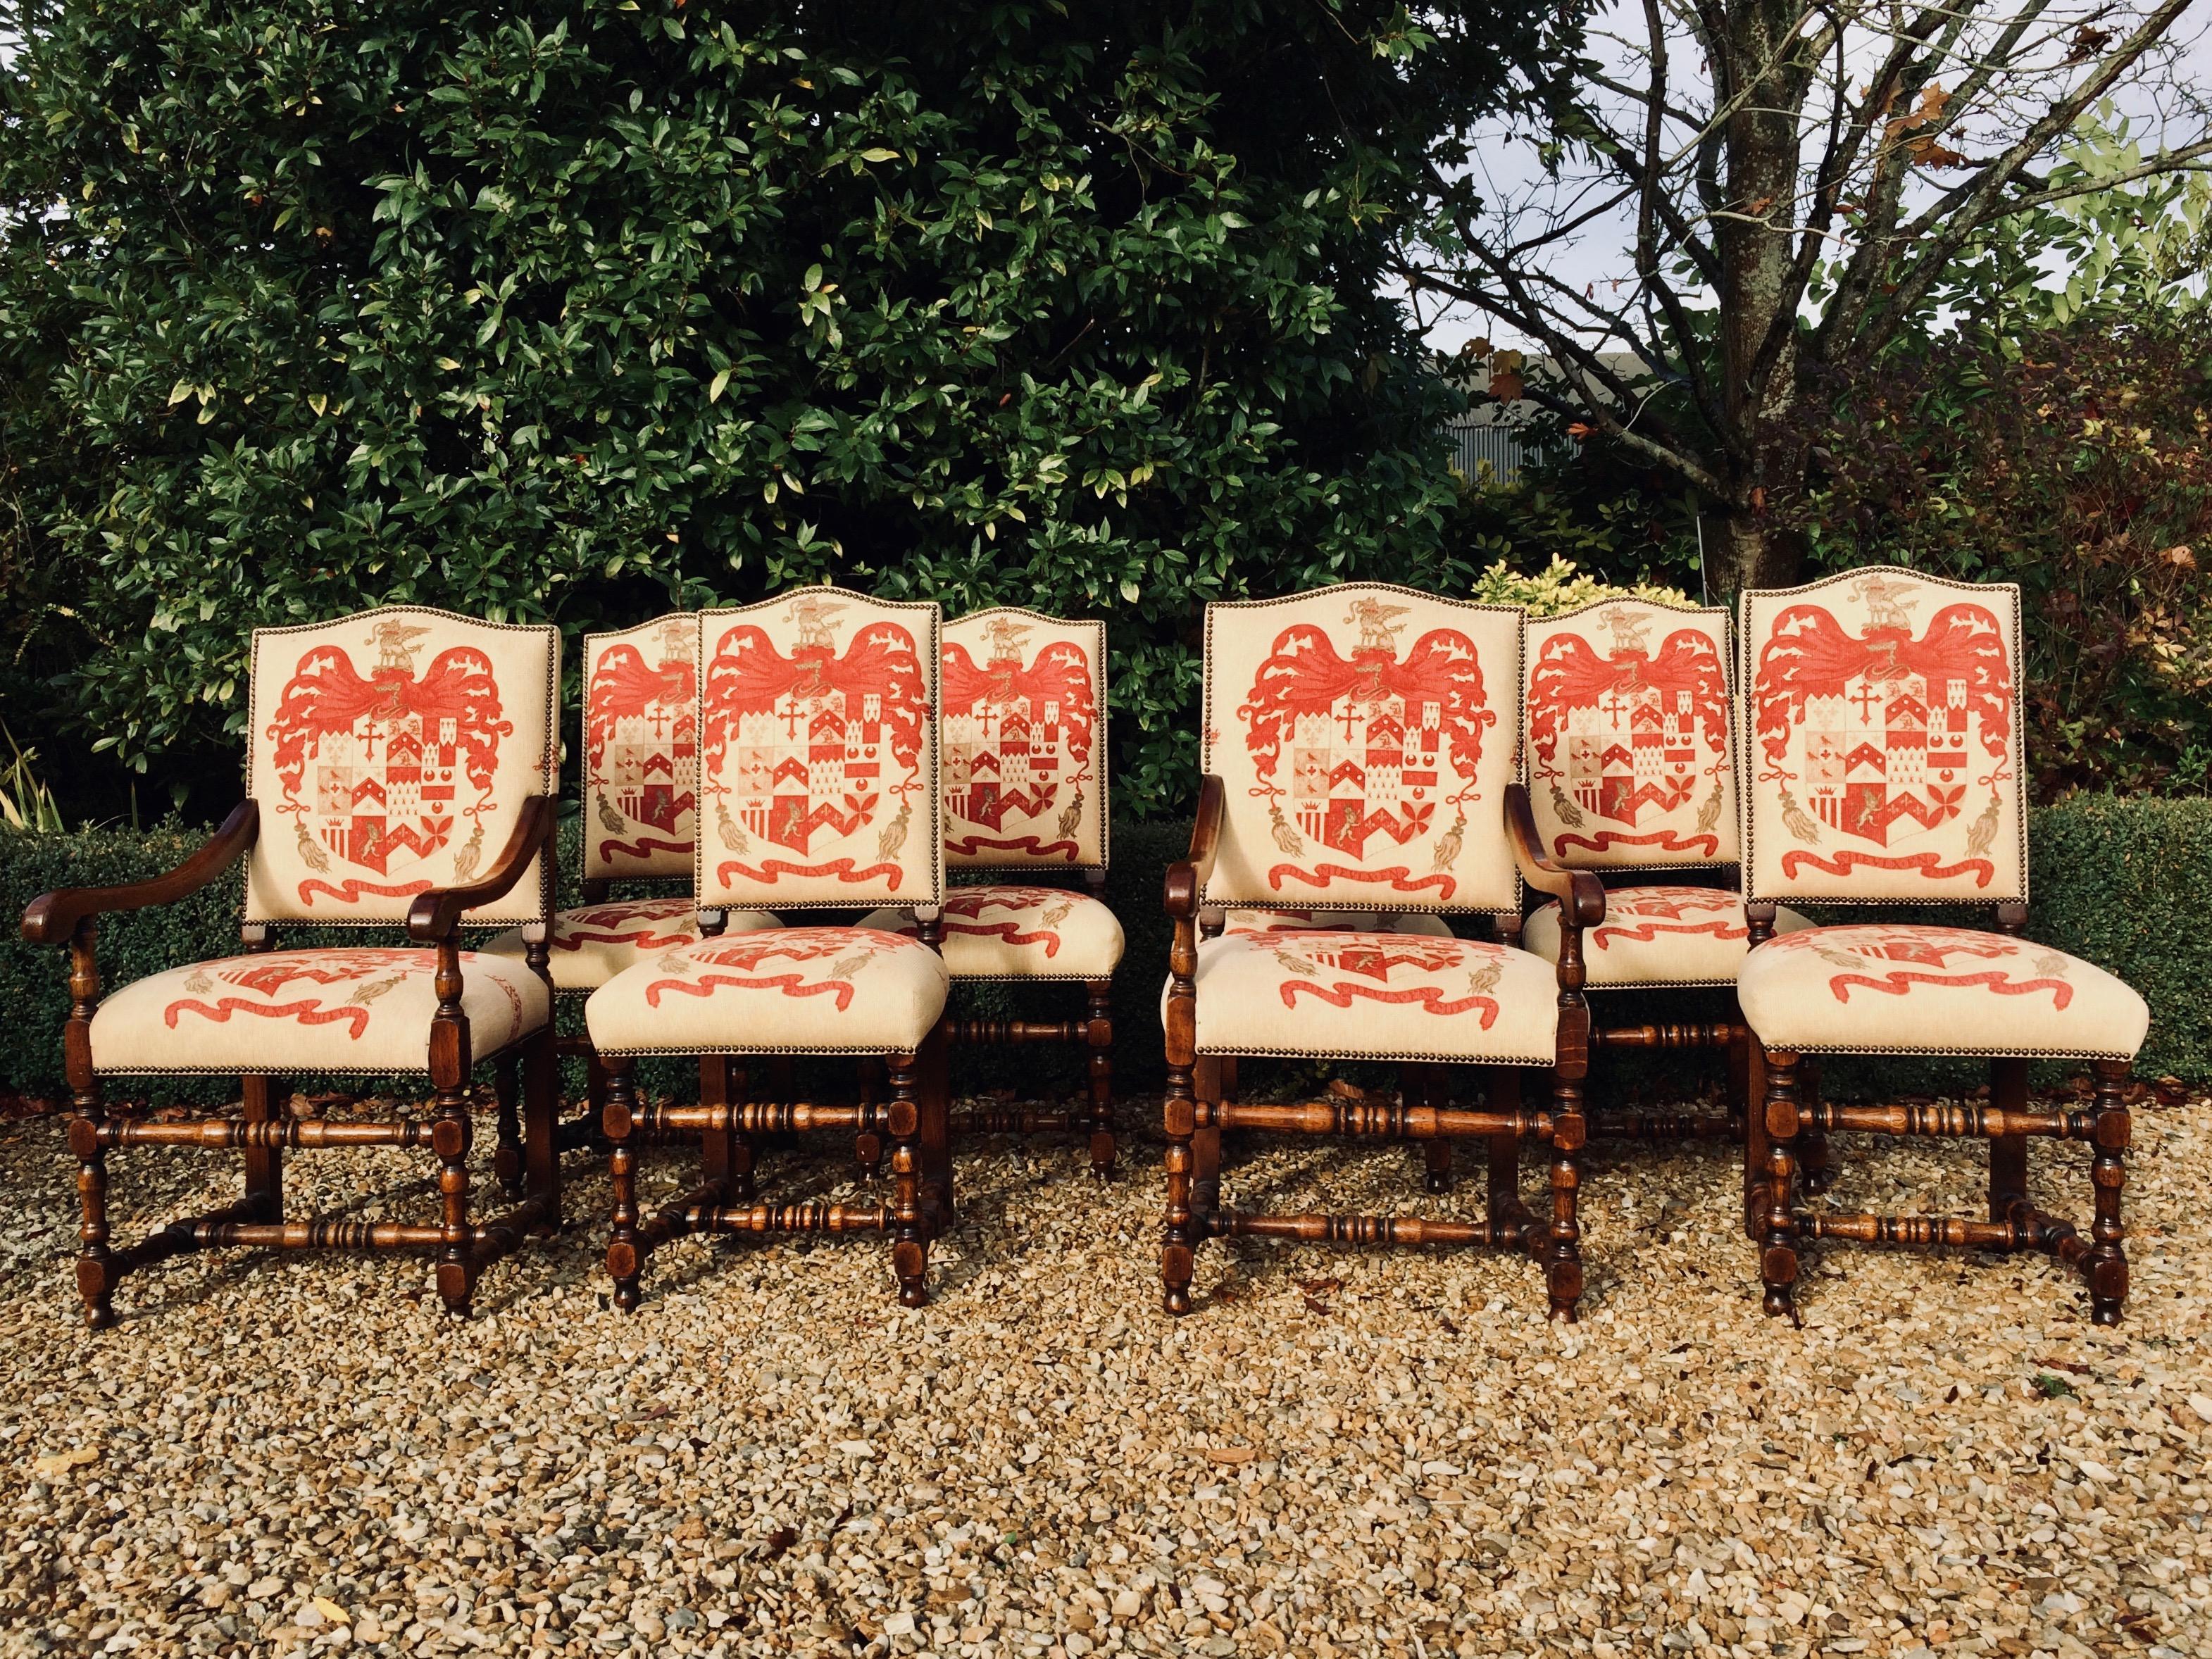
point(263, 1128)
point(1200, 1104)
point(729, 1124)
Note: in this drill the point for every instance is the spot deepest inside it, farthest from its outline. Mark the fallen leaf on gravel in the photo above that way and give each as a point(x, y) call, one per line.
point(63, 1462)
point(1320, 1286)
point(330, 1610)
point(1230, 1453)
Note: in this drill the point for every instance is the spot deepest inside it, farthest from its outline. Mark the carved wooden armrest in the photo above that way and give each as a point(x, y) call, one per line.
point(435, 915)
point(52, 918)
point(1580, 893)
point(1186, 878)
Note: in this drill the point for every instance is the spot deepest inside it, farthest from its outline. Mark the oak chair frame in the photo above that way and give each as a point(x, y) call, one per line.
point(1789, 1131)
point(264, 1129)
point(1198, 1109)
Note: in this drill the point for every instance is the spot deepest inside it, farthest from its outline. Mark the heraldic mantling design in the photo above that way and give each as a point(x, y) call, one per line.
point(1024, 736)
point(1884, 755)
point(392, 753)
point(817, 757)
point(641, 749)
point(1364, 735)
point(1628, 752)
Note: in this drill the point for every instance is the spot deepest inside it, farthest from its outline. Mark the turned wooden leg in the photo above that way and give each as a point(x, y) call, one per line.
point(1502, 1189)
point(726, 1156)
point(2007, 1153)
point(449, 1138)
point(1563, 1270)
point(95, 1264)
point(625, 1260)
point(506, 1156)
point(1424, 1086)
point(1815, 1172)
point(868, 1146)
point(1778, 1253)
point(541, 1117)
point(1754, 1142)
point(265, 1100)
point(1098, 1033)
point(1179, 1232)
point(595, 1100)
point(2106, 1266)
point(910, 1230)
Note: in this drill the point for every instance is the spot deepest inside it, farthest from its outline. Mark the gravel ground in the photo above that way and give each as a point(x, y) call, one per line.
point(1340, 1453)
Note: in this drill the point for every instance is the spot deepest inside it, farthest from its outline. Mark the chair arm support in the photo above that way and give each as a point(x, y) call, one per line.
point(51, 918)
point(1187, 878)
point(1580, 893)
point(435, 915)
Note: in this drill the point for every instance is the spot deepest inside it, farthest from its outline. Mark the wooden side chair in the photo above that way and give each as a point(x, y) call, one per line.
point(641, 780)
point(818, 788)
point(1885, 769)
point(1629, 746)
point(402, 770)
point(1359, 755)
point(1022, 731)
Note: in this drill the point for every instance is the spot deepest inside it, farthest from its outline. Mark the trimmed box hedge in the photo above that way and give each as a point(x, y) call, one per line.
point(2124, 882)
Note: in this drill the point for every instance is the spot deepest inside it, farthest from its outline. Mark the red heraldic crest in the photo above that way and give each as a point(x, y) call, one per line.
point(396, 761)
point(807, 747)
point(1880, 730)
point(1632, 723)
point(1017, 739)
point(643, 746)
point(1377, 743)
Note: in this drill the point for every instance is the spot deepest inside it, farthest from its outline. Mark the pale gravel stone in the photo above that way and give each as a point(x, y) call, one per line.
point(1340, 1453)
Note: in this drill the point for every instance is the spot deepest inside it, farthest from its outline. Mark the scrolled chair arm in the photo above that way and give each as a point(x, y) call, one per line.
point(1580, 893)
point(1186, 878)
point(53, 918)
point(435, 916)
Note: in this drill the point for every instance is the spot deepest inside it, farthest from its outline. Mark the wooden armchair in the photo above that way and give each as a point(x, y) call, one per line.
point(1628, 741)
point(1885, 769)
point(1023, 735)
point(818, 789)
point(391, 751)
point(1359, 756)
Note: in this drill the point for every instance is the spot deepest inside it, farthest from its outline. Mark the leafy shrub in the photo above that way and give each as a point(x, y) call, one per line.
point(1560, 587)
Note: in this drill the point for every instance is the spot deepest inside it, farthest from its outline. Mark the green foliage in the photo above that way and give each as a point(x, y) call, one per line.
point(26, 804)
point(1559, 587)
point(580, 311)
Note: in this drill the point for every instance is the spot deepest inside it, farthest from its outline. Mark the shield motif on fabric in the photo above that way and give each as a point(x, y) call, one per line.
point(1631, 735)
point(641, 725)
point(1348, 748)
point(1886, 737)
point(811, 748)
point(1017, 737)
point(381, 771)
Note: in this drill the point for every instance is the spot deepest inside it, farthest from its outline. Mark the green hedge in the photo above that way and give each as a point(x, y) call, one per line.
point(2122, 883)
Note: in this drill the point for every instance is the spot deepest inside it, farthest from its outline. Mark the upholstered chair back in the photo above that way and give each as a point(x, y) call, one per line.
point(1626, 739)
point(641, 749)
point(817, 753)
point(1022, 736)
point(1882, 740)
point(1364, 735)
point(392, 751)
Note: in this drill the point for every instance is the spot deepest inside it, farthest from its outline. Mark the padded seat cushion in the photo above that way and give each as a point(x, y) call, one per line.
point(1019, 932)
point(595, 942)
point(345, 1009)
point(1659, 936)
point(789, 990)
point(1240, 920)
point(1885, 989)
point(1375, 996)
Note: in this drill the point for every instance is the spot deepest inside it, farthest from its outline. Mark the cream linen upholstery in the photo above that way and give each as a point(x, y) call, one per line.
point(1019, 932)
point(1365, 736)
point(1659, 937)
point(1627, 734)
point(817, 754)
point(341, 1009)
point(392, 753)
point(641, 749)
point(1882, 754)
point(1375, 996)
point(1022, 728)
point(1883, 988)
point(1238, 920)
point(793, 990)
point(594, 942)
